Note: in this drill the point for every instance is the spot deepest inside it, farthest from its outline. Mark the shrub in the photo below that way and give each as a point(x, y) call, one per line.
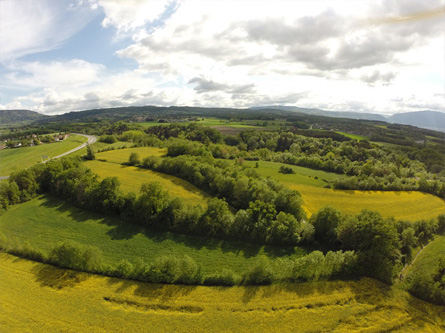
point(75, 256)
point(286, 170)
point(226, 278)
point(261, 274)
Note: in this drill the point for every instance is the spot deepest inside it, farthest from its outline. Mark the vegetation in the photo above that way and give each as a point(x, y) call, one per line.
point(131, 179)
point(53, 296)
point(426, 277)
point(21, 158)
point(356, 207)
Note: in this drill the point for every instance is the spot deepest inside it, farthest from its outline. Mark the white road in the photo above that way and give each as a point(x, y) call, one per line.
point(91, 139)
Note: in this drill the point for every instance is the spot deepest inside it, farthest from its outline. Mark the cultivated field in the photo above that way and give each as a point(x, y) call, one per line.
point(402, 205)
point(122, 155)
point(22, 158)
point(42, 298)
point(44, 221)
point(131, 179)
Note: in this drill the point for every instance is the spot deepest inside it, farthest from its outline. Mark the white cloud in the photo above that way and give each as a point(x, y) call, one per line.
point(28, 27)
point(127, 15)
point(339, 55)
point(54, 74)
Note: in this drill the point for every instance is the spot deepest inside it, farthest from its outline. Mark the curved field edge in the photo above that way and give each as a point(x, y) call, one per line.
point(131, 178)
point(46, 220)
point(402, 205)
point(38, 297)
point(427, 259)
point(22, 158)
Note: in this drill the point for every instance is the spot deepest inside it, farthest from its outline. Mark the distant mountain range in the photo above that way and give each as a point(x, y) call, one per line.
point(8, 117)
point(433, 120)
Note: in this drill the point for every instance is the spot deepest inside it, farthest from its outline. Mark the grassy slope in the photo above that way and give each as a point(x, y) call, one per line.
point(131, 178)
point(41, 298)
point(427, 260)
point(402, 204)
point(45, 220)
point(122, 155)
point(354, 136)
point(22, 158)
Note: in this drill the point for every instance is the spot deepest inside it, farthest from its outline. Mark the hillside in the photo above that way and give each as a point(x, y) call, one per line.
point(427, 119)
point(19, 116)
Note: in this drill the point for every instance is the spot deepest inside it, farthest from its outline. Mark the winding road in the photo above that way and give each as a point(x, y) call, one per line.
point(91, 139)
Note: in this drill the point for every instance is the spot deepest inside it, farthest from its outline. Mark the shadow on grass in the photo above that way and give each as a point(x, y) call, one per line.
point(57, 278)
point(162, 292)
point(119, 230)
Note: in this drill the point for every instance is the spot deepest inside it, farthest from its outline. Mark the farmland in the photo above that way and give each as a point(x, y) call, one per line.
point(427, 259)
point(399, 204)
point(45, 221)
point(122, 155)
point(38, 297)
point(131, 179)
point(22, 158)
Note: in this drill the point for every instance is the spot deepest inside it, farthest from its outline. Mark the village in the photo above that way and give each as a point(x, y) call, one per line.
point(32, 140)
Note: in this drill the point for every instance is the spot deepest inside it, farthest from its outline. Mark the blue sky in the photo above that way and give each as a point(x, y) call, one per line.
point(365, 56)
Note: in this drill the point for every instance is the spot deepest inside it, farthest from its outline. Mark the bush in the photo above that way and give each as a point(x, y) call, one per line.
point(169, 269)
point(75, 256)
point(261, 274)
point(286, 170)
point(226, 278)
point(124, 269)
point(108, 139)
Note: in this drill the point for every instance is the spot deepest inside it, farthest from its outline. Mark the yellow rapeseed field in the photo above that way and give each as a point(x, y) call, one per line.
point(41, 298)
point(402, 205)
point(131, 179)
point(122, 155)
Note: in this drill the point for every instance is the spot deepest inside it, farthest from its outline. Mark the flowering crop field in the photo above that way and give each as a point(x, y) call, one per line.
point(41, 298)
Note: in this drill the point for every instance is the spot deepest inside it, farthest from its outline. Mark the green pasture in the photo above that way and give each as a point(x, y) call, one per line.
point(302, 175)
point(44, 221)
point(22, 158)
point(131, 179)
point(402, 205)
point(122, 155)
point(428, 258)
point(354, 136)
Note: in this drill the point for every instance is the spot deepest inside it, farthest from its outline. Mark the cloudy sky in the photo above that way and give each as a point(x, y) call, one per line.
point(374, 56)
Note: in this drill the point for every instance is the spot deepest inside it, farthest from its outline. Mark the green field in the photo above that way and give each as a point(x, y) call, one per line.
point(41, 298)
point(44, 221)
point(428, 258)
point(402, 205)
point(354, 136)
point(22, 158)
point(131, 179)
point(101, 145)
point(304, 176)
point(122, 155)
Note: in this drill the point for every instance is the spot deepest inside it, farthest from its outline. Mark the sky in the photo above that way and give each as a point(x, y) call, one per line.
point(365, 56)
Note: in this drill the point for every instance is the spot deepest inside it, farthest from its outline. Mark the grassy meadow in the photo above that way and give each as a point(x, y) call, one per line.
point(41, 298)
point(122, 155)
point(22, 158)
point(428, 258)
point(44, 221)
point(402, 205)
point(131, 179)
point(354, 136)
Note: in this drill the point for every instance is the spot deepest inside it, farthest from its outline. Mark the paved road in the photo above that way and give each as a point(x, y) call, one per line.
point(91, 139)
